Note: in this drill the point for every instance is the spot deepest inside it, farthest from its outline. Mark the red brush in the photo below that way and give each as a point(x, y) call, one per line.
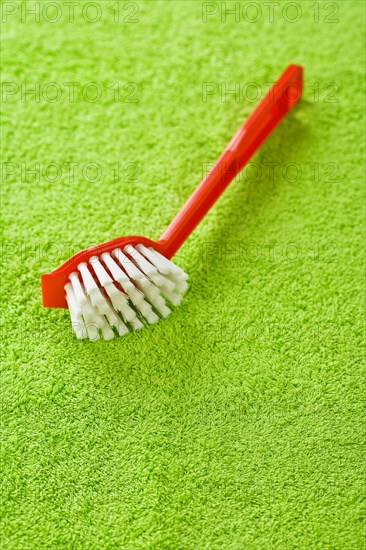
point(125, 282)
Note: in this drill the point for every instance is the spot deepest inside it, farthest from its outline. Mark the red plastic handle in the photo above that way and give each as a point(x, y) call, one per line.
point(281, 97)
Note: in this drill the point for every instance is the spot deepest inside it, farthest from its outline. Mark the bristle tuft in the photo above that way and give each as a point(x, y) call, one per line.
point(123, 291)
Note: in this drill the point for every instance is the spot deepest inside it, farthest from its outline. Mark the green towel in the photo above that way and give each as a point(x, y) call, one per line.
point(237, 422)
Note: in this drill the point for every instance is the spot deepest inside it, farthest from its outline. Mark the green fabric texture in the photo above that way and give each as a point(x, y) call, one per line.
point(237, 422)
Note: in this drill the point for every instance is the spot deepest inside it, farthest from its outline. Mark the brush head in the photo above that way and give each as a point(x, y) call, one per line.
point(118, 291)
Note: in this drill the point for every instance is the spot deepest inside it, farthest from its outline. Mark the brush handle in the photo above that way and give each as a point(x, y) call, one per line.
point(280, 98)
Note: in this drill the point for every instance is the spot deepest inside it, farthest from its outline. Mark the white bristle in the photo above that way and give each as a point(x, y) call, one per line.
point(120, 303)
point(88, 280)
point(77, 321)
point(128, 286)
point(93, 321)
point(149, 253)
point(78, 289)
point(100, 272)
point(118, 298)
point(136, 324)
point(99, 302)
point(74, 307)
point(132, 271)
point(133, 293)
point(115, 321)
point(173, 268)
point(107, 332)
point(147, 287)
point(159, 304)
point(117, 273)
point(173, 297)
point(92, 332)
point(160, 280)
point(179, 283)
point(92, 289)
point(165, 282)
point(145, 266)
